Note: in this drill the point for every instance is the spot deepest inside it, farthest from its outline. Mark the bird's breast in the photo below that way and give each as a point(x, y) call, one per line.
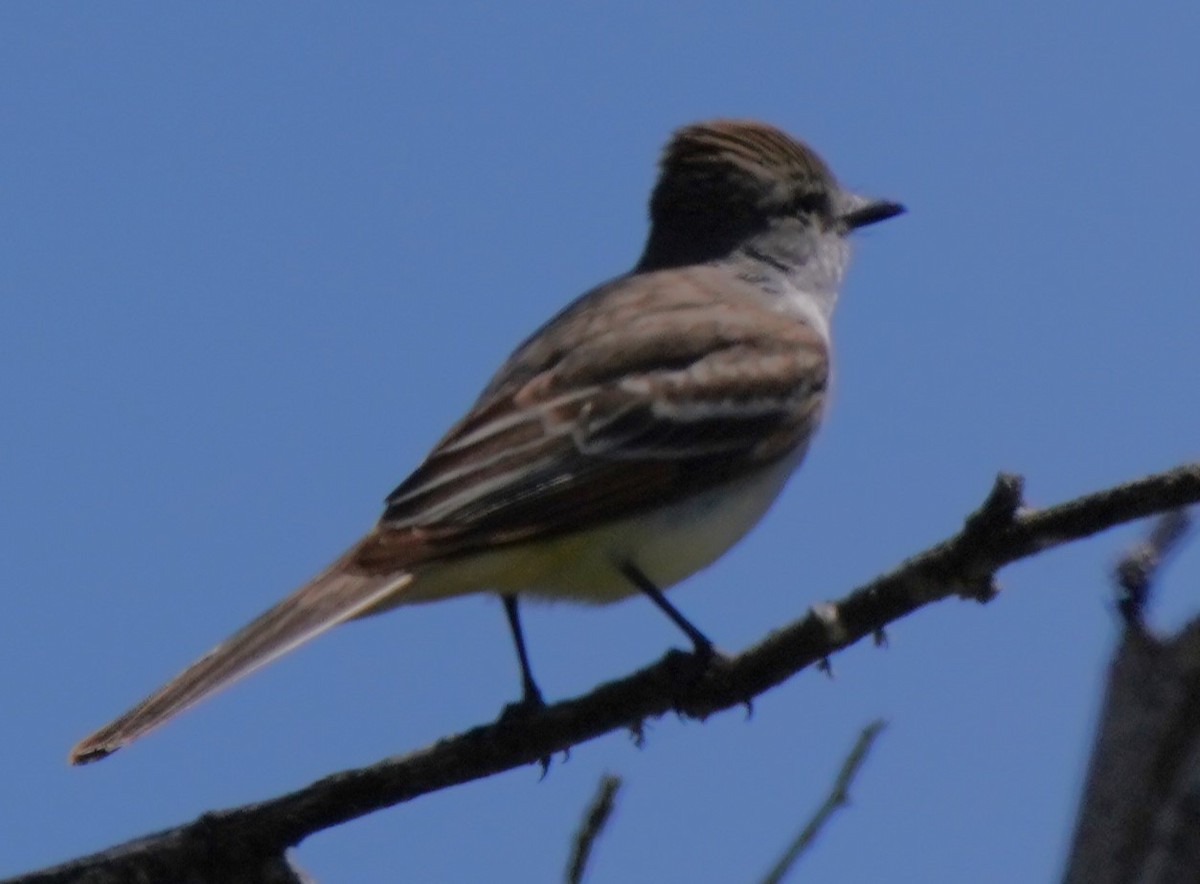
point(667, 544)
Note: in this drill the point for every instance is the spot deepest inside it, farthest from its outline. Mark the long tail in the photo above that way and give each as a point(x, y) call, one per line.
point(332, 597)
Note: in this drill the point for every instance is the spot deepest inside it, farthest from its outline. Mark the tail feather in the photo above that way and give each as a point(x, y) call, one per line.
point(332, 597)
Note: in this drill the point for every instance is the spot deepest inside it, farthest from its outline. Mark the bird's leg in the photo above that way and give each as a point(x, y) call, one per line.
point(531, 695)
point(703, 647)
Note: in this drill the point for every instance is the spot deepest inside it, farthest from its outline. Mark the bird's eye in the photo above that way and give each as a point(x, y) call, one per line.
point(809, 203)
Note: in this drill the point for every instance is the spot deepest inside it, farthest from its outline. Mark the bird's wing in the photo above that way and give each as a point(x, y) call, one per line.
point(646, 391)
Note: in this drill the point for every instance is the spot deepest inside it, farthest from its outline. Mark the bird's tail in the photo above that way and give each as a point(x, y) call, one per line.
point(338, 594)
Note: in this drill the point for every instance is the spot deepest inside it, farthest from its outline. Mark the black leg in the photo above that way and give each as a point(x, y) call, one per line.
point(531, 696)
point(704, 648)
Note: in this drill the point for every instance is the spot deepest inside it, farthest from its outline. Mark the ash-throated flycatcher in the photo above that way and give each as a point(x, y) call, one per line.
point(626, 444)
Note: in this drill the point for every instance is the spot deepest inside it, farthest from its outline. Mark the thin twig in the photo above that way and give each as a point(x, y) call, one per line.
point(590, 827)
point(1137, 569)
point(839, 796)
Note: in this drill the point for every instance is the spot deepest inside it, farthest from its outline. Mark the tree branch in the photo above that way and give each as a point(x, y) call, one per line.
point(1000, 532)
point(839, 796)
point(1141, 802)
point(594, 821)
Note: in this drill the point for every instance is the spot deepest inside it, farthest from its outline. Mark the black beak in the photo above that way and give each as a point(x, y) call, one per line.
point(869, 211)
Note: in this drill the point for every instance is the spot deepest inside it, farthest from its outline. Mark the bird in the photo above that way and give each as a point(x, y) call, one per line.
point(628, 442)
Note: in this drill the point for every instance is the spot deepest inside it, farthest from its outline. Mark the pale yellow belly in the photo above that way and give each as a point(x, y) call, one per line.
point(667, 545)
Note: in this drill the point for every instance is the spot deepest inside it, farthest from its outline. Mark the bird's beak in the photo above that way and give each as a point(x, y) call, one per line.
point(859, 211)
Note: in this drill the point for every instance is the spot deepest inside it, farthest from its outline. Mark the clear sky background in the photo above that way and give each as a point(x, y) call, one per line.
point(256, 257)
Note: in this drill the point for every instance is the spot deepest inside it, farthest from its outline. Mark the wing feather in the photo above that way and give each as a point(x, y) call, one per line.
point(641, 393)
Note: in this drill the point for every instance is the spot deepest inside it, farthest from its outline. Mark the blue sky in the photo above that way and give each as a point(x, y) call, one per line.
point(258, 256)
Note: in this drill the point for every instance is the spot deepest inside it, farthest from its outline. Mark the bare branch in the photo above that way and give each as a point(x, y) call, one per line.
point(593, 823)
point(1136, 571)
point(839, 796)
point(1000, 532)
